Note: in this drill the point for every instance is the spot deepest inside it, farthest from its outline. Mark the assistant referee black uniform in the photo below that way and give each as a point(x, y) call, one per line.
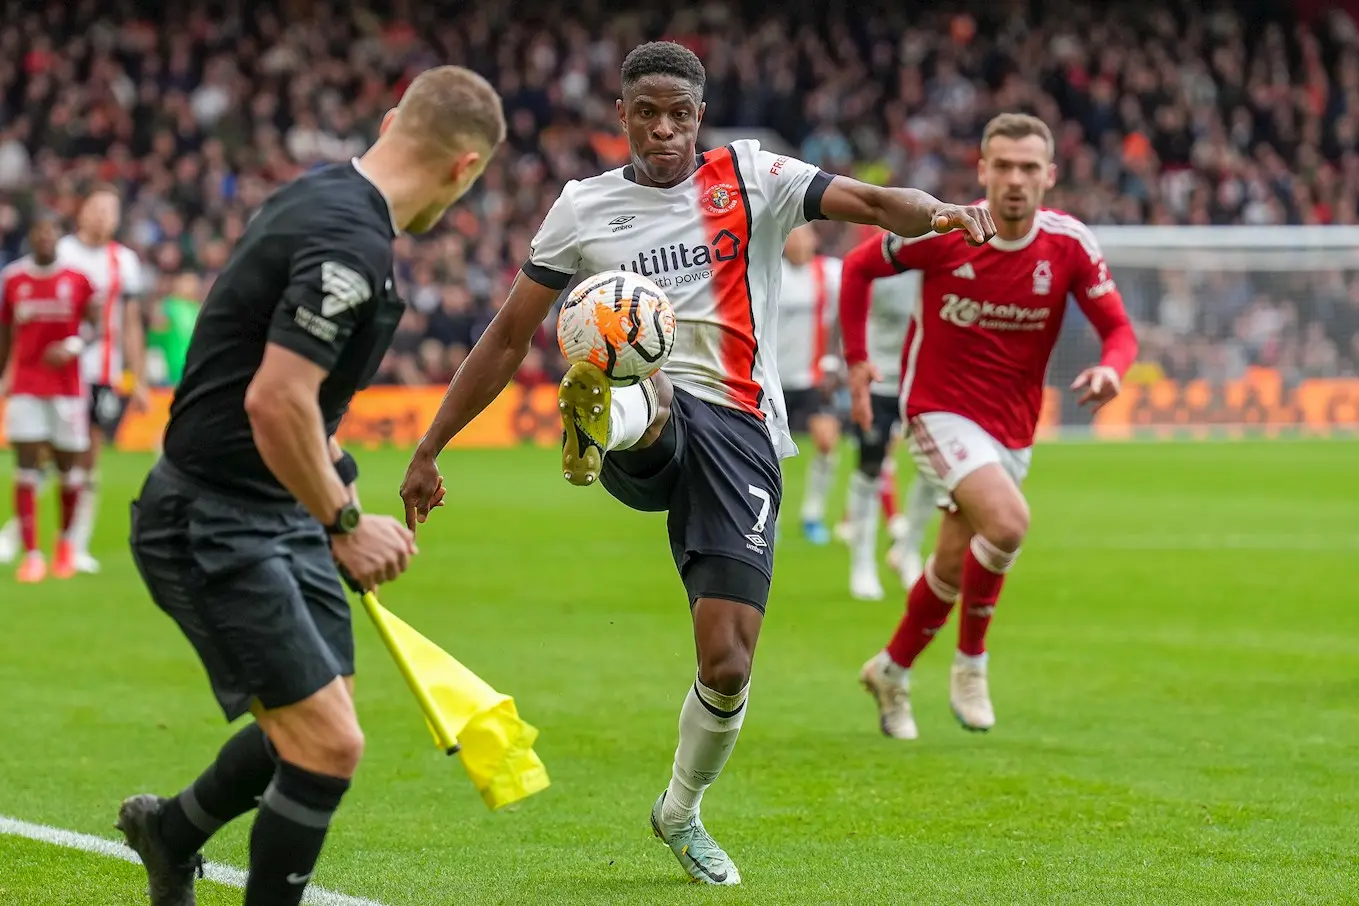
point(224, 548)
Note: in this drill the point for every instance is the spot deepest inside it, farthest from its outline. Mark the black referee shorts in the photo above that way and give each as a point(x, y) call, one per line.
point(252, 586)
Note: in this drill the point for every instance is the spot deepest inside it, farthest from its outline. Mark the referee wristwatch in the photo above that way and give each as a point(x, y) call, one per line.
point(346, 520)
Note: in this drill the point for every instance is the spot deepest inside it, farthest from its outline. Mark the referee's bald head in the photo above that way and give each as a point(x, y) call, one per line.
point(450, 110)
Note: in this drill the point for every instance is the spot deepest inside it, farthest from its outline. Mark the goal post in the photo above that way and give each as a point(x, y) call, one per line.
point(1244, 332)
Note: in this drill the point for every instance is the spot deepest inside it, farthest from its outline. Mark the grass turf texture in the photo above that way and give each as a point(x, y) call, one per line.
point(1175, 664)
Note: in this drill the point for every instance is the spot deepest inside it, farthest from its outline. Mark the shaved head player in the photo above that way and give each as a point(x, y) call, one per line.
point(239, 526)
point(703, 439)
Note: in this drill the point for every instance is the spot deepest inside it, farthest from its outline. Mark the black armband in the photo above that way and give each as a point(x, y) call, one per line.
point(347, 468)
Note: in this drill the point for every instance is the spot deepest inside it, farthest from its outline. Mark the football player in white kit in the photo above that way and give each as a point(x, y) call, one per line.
point(702, 439)
point(116, 273)
point(809, 302)
point(893, 301)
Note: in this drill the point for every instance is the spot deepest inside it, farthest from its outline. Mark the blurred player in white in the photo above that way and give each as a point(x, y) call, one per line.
point(43, 305)
point(976, 357)
point(806, 341)
point(117, 274)
point(702, 439)
point(872, 485)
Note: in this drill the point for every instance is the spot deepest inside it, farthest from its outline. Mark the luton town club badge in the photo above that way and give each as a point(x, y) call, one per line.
point(721, 198)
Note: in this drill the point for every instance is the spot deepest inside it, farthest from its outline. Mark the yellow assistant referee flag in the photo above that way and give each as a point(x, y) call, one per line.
point(464, 713)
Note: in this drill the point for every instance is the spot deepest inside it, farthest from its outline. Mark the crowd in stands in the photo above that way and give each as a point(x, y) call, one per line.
point(1165, 112)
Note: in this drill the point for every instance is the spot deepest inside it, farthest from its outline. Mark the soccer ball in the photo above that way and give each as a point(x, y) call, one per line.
point(620, 322)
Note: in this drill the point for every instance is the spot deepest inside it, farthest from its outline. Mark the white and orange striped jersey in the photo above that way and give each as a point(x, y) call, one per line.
point(714, 243)
point(808, 307)
point(116, 273)
point(894, 301)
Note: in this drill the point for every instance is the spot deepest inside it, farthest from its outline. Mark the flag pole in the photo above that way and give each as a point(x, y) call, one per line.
point(447, 738)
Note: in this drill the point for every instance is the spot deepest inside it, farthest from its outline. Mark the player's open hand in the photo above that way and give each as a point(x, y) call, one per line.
point(861, 378)
point(422, 489)
point(377, 551)
point(974, 220)
point(1101, 384)
point(139, 401)
point(58, 355)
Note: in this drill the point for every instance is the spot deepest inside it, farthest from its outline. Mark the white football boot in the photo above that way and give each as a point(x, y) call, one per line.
point(969, 695)
point(890, 686)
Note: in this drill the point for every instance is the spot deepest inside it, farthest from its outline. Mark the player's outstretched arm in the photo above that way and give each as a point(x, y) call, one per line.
point(906, 212)
point(483, 374)
point(864, 264)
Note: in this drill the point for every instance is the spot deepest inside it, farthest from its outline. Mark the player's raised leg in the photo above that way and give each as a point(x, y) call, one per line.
point(598, 417)
point(824, 429)
point(887, 675)
point(999, 517)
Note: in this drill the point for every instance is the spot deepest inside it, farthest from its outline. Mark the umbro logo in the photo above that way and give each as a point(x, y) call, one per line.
point(966, 272)
point(622, 223)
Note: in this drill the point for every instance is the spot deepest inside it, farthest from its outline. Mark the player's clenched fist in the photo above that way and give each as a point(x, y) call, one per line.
point(974, 220)
point(377, 551)
point(422, 489)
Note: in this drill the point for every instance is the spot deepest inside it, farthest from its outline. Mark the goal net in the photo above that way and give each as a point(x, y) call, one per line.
point(1244, 331)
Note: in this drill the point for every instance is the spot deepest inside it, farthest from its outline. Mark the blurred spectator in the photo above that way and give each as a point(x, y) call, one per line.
point(1166, 112)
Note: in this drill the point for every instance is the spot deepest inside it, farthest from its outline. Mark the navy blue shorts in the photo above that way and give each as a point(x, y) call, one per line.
point(714, 470)
point(803, 405)
point(107, 408)
point(886, 425)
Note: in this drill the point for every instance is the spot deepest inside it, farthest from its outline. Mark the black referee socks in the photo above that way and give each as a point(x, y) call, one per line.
point(230, 787)
point(289, 831)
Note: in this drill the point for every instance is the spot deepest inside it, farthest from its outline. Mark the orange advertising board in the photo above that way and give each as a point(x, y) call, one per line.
point(391, 415)
point(1261, 401)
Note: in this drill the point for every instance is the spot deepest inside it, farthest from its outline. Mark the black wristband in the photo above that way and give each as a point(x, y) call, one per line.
point(347, 468)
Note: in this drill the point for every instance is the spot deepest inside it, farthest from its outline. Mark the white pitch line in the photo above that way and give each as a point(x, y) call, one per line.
point(222, 874)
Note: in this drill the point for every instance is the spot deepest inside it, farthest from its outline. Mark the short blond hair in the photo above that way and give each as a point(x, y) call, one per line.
point(451, 109)
point(1017, 126)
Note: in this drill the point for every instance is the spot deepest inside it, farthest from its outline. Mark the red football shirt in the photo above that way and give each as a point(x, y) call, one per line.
point(42, 306)
point(979, 343)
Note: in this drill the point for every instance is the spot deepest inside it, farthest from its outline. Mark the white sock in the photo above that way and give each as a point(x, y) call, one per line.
point(864, 504)
point(75, 478)
point(894, 671)
point(630, 414)
point(819, 476)
point(9, 533)
point(82, 526)
point(968, 660)
point(708, 726)
point(920, 507)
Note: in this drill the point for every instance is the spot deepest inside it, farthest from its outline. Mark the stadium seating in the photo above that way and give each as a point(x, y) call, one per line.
point(1165, 113)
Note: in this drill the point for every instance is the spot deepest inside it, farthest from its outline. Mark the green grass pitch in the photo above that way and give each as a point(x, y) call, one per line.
point(1175, 668)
